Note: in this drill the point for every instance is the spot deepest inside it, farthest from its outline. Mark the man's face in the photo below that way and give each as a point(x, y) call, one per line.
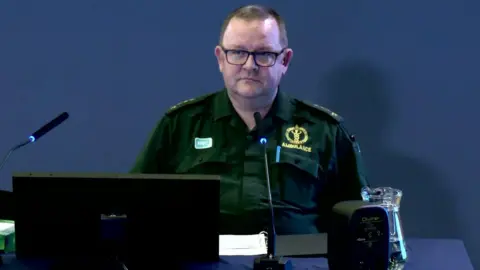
point(243, 76)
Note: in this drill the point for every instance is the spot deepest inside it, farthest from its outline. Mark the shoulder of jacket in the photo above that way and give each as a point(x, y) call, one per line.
point(322, 111)
point(189, 104)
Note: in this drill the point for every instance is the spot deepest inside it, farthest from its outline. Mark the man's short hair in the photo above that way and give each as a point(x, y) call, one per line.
point(256, 12)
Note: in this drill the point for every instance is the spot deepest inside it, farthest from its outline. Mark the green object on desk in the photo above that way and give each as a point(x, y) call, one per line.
point(7, 236)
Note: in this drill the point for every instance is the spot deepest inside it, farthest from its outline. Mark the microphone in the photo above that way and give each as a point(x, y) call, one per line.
point(37, 135)
point(270, 261)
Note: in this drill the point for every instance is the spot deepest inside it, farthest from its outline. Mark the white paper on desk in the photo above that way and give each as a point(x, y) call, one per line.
point(243, 245)
point(6, 228)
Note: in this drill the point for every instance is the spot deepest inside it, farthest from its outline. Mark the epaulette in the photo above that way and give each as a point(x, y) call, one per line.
point(324, 110)
point(188, 103)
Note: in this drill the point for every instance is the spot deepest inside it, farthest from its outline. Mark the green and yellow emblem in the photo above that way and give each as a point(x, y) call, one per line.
point(296, 138)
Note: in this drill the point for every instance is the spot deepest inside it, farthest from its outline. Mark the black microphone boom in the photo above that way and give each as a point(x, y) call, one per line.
point(37, 135)
point(272, 233)
point(49, 126)
point(271, 261)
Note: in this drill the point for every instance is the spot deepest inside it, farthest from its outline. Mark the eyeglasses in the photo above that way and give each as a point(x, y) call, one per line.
point(263, 59)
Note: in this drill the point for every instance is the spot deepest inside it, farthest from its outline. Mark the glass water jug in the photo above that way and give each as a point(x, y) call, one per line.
point(390, 199)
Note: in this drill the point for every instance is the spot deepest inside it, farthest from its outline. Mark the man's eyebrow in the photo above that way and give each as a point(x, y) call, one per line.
point(236, 47)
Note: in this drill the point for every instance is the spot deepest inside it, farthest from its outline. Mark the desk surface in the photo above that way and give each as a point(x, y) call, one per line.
point(424, 254)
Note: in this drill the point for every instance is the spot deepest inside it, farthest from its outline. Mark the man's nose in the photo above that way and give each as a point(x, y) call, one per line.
point(250, 64)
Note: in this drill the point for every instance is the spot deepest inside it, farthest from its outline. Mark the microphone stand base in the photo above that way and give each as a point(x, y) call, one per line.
point(275, 263)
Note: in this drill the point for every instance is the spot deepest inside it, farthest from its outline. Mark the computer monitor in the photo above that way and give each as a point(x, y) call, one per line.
point(171, 217)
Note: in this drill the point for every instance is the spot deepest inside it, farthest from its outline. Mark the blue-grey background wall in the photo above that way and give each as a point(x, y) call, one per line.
point(404, 74)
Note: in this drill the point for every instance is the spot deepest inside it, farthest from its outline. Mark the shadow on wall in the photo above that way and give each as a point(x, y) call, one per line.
point(358, 91)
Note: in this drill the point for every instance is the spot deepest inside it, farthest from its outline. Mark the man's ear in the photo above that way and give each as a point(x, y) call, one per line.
point(287, 57)
point(220, 57)
point(286, 60)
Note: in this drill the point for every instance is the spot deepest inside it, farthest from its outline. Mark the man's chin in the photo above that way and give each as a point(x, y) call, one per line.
point(249, 92)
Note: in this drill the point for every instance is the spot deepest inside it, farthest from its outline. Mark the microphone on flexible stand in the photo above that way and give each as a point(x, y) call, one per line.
point(37, 135)
point(270, 261)
point(6, 198)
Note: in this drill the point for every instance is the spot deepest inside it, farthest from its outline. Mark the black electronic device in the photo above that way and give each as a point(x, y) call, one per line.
point(6, 205)
point(175, 217)
point(358, 238)
point(270, 261)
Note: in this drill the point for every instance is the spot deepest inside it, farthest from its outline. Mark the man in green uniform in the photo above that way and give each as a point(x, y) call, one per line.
point(313, 162)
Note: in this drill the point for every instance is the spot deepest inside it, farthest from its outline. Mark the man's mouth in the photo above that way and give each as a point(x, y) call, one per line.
point(250, 79)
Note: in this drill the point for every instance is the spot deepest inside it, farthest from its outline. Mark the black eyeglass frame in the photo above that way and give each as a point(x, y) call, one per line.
point(254, 54)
